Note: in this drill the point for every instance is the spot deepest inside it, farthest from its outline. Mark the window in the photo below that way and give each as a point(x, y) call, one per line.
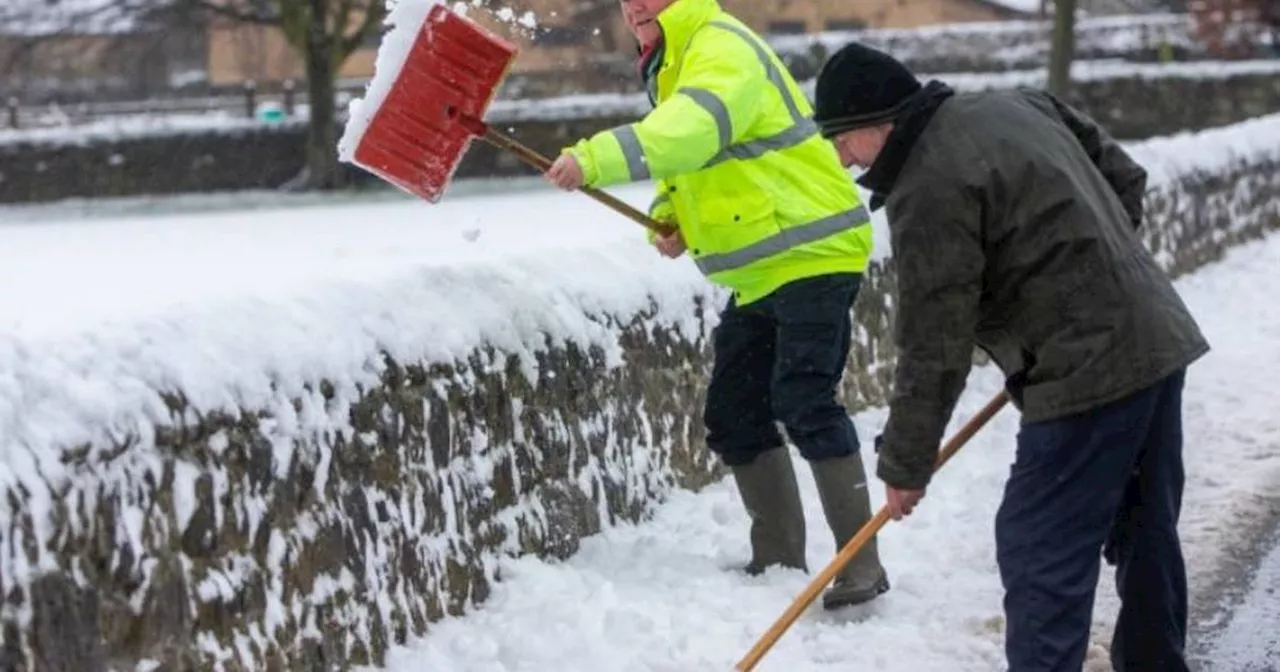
point(560, 36)
point(786, 28)
point(845, 24)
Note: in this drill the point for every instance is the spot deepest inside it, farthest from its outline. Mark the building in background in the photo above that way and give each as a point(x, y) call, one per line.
point(74, 50)
point(1238, 28)
point(244, 52)
point(589, 39)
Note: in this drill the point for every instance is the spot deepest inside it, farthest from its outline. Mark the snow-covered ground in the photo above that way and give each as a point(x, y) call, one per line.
point(1250, 642)
point(657, 596)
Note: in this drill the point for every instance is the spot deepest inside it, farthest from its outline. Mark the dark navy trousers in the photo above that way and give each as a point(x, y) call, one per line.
point(781, 359)
point(1105, 483)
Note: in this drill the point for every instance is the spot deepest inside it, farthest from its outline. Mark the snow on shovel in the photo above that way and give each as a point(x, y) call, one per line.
point(429, 94)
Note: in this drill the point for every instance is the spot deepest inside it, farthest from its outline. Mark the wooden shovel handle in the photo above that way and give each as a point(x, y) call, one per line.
point(851, 549)
point(503, 141)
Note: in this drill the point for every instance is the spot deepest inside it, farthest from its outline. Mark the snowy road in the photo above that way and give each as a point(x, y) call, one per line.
point(1237, 627)
point(657, 596)
point(1251, 640)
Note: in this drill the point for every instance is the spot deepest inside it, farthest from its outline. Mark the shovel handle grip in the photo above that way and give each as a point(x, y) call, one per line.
point(503, 141)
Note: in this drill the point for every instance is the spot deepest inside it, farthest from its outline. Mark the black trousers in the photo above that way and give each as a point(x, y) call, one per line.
point(1103, 483)
point(781, 359)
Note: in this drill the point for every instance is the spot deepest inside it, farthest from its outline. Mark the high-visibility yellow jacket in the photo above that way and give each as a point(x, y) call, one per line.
point(759, 196)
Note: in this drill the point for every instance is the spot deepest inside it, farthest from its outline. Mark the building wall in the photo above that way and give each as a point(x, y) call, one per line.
point(239, 52)
point(72, 67)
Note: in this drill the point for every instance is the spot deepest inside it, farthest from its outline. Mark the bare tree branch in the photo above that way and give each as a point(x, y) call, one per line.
point(293, 21)
point(374, 12)
point(340, 18)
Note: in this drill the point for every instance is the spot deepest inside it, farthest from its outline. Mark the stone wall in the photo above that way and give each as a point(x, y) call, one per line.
point(365, 536)
point(196, 549)
point(267, 157)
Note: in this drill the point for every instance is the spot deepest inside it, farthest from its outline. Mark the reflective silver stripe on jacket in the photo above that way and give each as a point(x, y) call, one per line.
point(633, 152)
point(715, 107)
point(637, 167)
point(783, 241)
point(801, 129)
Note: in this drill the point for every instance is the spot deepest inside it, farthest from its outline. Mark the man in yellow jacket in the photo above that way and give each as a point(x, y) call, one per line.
point(763, 206)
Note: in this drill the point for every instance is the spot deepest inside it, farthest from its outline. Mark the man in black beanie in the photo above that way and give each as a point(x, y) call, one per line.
point(1014, 226)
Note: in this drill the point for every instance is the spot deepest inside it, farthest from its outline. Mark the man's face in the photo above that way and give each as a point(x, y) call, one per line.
point(642, 18)
point(861, 146)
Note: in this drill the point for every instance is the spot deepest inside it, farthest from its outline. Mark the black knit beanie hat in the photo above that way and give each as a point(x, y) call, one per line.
point(860, 86)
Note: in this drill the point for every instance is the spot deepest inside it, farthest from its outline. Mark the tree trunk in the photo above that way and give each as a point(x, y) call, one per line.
point(1061, 51)
point(323, 170)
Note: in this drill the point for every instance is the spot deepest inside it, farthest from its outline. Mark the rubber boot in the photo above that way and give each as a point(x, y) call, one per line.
point(772, 499)
point(842, 486)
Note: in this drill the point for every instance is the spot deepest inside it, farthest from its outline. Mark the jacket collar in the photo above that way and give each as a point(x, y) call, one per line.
point(649, 62)
point(680, 20)
point(907, 128)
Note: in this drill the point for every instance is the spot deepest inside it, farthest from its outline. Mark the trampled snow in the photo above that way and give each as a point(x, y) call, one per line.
point(661, 597)
point(1251, 637)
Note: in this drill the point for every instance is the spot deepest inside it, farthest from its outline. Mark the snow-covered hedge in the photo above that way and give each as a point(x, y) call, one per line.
point(368, 482)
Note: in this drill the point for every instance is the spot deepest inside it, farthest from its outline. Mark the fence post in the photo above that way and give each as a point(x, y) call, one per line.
point(250, 96)
point(13, 112)
point(288, 97)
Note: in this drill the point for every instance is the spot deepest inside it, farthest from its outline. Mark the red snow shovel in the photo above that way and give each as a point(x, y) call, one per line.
point(851, 549)
point(435, 106)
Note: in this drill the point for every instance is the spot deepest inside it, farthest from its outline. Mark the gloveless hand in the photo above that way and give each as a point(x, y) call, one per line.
point(901, 502)
point(565, 173)
point(671, 245)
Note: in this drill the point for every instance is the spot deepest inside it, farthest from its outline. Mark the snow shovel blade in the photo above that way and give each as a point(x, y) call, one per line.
point(423, 127)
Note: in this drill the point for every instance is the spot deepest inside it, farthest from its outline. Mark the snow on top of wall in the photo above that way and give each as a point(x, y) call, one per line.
point(1169, 157)
point(131, 126)
point(1025, 6)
